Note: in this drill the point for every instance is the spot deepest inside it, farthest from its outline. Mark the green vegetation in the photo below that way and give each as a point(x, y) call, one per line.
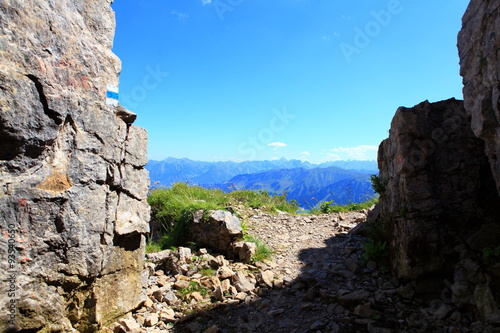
point(261, 199)
point(327, 207)
point(376, 248)
point(207, 272)
point(193, 287)
point(378, 184)
point(153, 247)
point(262, 252)
point(173, 207)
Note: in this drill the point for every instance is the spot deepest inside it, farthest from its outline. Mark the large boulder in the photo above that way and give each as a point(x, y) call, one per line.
point(438, 188)
point(215, 229)
point(479, 49)
point(73, 187)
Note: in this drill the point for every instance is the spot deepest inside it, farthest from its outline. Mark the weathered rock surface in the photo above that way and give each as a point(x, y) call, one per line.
point(439, 188)
point(73, 184)
point(479, 49)
point(215, 229)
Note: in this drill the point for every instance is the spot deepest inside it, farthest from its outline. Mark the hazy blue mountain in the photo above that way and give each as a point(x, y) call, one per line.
point(360, 166)
point(340, 181)
point(307, 186)
point(172, 170)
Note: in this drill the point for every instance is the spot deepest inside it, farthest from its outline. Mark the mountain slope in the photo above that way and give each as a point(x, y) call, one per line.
point(307, 187)
point(172, 170)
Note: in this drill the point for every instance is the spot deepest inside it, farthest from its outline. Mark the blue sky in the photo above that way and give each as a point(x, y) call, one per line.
point(316, 80)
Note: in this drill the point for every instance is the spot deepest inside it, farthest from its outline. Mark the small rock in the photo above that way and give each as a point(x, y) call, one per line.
point(442, 311)
point(148, 303)
point(352, 265)
point(406, 291)
point(267, 278)
point(486, 304)
point(169, 297)
point(240, 296)
point(225, 272)
point(130, 325)
point(241, 283)
point(365, 311)
point(196, 296)
point(181, 284)
point(151, 320)
point(167, 314)
point(278, 283)
point(219, 294)
point(347, 298)
point(212, 329)
point(158, 295)
point(275, 312)
point(317, 325)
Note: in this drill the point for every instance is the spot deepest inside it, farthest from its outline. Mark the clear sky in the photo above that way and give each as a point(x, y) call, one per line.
point(309, 79)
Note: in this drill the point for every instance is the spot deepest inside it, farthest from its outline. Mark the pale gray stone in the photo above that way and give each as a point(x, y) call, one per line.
point(72, 180)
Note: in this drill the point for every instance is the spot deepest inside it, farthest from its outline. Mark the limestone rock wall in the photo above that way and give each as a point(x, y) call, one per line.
point(479, 49)
point(439, 188)
point(73, 187)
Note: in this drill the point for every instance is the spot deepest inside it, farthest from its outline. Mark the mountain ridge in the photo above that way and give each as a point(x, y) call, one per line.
point(171, 170)
point(308, 184)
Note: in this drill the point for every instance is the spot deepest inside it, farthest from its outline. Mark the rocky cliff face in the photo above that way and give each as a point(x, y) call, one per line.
point(73, 185)
point(479, 48)
point(441, 172)
point(438, 187)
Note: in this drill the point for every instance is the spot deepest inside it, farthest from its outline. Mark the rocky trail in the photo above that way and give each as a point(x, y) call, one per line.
point(317, 282)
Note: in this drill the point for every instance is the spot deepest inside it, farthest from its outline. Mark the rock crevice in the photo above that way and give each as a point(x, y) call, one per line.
point(72, 180)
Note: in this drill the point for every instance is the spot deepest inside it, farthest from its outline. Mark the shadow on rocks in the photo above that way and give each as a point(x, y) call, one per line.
point(333, 293)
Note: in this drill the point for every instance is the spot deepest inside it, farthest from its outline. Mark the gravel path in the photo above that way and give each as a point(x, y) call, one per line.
point(317, 282)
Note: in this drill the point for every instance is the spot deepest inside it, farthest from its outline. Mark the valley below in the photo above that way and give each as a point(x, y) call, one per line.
point(340, 182)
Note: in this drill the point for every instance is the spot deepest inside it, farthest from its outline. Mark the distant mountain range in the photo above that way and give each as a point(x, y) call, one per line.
point(339, 181)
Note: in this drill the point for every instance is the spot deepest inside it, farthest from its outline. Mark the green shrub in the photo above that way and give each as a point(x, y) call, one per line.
point(327, 207)
point(376, 248)
point(262, 252)
point(173, 207)
point(193, 286)
point(376, 251)
point(153, 247)
point(378, 184)
point(207, 272)
point(272, 203)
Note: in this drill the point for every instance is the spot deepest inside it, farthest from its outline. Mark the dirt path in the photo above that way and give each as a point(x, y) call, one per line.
point(316, 282)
